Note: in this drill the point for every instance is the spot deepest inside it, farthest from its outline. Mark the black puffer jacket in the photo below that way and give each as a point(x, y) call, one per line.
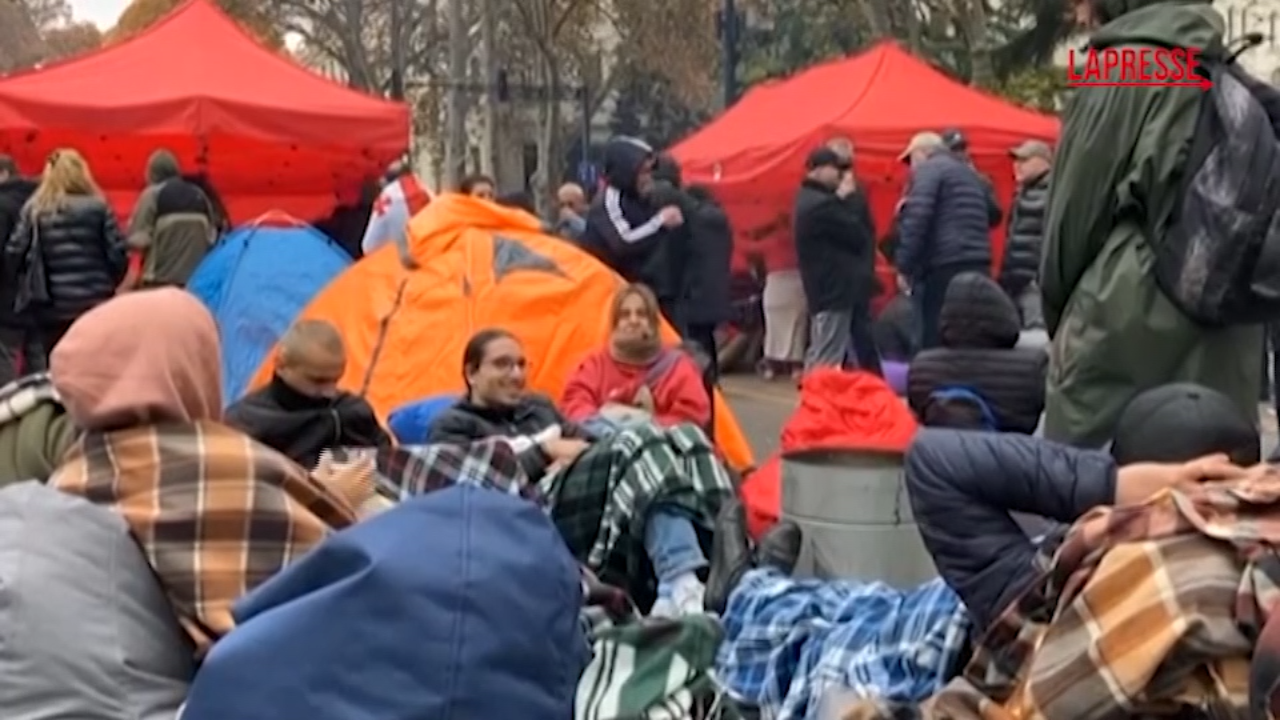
point(13, 195)
point(835, 248)
point(979, 328)
point(1021, 264)
point(707, 283)
point(945, 218)
point(963, 486)
point(83, 252)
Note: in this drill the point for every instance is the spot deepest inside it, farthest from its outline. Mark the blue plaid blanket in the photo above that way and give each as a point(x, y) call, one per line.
point(789, 642)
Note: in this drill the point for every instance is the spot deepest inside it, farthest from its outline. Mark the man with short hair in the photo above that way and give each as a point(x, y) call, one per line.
point(943, 225)
point(173, 224)
point(15, 341)
point(302, 412)
point(835, 248)
point(1020, 271)
point(571, 208)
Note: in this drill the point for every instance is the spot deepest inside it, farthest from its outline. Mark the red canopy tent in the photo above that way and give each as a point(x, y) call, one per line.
point(753, 155)
point(268, 133)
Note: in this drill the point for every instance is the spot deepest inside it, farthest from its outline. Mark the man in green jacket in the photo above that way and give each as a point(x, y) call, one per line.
point(1115, 185)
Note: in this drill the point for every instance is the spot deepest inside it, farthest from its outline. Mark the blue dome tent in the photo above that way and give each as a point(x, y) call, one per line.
point(256, 281)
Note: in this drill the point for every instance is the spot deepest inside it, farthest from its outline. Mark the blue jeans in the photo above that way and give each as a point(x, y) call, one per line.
point(672, 544)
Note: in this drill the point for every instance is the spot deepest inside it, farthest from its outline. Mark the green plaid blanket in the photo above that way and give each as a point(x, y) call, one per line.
point(600, 502)
point(653, 669)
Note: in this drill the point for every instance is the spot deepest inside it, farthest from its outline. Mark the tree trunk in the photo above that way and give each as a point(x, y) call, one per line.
point(549, 156)
point(878, 19)
point(455, 147)
point(489, 70)
point(982, 68)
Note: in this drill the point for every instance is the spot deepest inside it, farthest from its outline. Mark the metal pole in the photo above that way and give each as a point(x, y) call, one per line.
point(586, 130)
point(729, 51)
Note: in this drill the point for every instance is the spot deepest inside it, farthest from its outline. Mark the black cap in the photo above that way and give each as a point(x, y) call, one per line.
point(1183, 421)
point(955, 140)
point(826, 157)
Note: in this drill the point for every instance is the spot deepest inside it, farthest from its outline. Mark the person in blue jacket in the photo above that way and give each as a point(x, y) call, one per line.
point(967, 487)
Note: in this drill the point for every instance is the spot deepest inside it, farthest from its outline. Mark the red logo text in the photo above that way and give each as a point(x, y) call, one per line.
point(1120, 67)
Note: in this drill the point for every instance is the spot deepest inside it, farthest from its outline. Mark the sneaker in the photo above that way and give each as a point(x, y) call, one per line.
point(683, 597)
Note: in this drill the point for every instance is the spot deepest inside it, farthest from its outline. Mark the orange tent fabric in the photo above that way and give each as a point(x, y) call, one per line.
point(838, 409)
point(269, 133)
point(479, 265)
point(753, 155)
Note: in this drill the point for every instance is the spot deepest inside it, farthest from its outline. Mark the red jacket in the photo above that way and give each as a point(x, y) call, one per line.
point(678, 393)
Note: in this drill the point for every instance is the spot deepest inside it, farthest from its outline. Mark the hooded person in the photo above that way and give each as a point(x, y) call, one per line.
point(215, 512)
point(978, 377)
point(636, 375)
point(628, 230)
point(1117, 177)
point(301, 412)
point(173, 225)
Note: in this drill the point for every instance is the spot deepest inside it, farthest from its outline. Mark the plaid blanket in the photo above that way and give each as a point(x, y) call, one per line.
point(410, 470)
point(789, 642)
point(650, 669)
point(601, 501)
point(1143, 610)
point(215, 512)
point(25, 394)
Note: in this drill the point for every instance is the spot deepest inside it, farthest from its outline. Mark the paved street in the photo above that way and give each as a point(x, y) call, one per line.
point(762, 408)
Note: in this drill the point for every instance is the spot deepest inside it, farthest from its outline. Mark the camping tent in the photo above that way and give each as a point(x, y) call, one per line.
point(269, 133)
point(256, 281)
point(479, 265)
point(753, 155)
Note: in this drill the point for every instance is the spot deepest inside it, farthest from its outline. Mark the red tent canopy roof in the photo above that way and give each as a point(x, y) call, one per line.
point(259, 124)
point(878, 98)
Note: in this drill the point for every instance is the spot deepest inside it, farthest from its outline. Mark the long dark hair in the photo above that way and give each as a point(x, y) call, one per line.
point(474, 352)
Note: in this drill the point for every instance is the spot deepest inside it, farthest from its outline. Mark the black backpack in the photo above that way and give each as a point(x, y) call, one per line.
point(1219, 259)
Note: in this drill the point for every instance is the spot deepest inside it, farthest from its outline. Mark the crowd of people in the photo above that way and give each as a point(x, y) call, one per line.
point(286, 556)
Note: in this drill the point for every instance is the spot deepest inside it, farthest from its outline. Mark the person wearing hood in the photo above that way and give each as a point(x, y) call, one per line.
point(215, 512)
point(977, 378)
point(301, 412)
point(628, 230)
point(15, 336)
point(1117, 176)
point(173, 224)
point(1020, 271)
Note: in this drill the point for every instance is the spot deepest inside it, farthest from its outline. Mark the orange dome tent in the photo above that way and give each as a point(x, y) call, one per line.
point(479, 265)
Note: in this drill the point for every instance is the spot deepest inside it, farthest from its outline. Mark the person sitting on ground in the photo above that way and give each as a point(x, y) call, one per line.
point(302, 412)
point(637, 498)
point(215, 512)
point(35, 431)
point(173, 224)
point(977, 378)
point(478, 186)
point(895, 329)
point(964, 486)
point(636, 378)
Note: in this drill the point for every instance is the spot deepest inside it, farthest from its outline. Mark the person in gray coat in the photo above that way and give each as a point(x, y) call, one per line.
point(1020, 271)
point(943, 227)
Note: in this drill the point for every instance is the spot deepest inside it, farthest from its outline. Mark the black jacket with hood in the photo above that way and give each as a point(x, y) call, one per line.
point(1025, 238)
point(14, 194)
point(624, 229)
point(835, 248)
point(979, 327)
